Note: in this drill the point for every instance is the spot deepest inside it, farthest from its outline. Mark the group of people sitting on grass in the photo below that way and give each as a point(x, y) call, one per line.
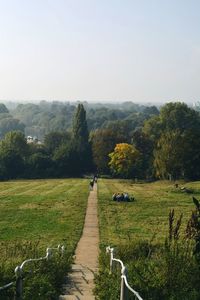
point(122, 197)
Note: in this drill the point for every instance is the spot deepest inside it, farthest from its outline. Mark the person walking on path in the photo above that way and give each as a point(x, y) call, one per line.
point(91, 184)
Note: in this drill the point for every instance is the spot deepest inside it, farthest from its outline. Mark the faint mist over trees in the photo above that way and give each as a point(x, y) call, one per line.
point(44, 117)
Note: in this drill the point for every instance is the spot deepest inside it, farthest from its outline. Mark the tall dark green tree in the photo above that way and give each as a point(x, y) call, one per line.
point(80, 129)
point(80, 140)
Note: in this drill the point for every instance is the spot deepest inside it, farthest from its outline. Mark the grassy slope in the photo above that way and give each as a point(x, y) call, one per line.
point(147, 216)
point(50, 210)
point(155, 271)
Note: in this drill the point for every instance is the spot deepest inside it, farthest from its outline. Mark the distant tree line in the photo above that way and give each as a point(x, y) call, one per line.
point(126, 141)
point(44, 117)
point(167, 146)
point(62, 153)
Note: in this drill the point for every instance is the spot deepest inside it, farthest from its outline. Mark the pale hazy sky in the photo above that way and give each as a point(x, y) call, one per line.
point(144, 50)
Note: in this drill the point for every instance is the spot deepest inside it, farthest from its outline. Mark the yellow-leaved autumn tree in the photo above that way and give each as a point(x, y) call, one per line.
point(122, 160)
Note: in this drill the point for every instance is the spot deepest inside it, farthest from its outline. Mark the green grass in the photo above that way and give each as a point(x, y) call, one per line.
point(50, 210)
point(158, 268)
point(34, 215)
point(147, 216)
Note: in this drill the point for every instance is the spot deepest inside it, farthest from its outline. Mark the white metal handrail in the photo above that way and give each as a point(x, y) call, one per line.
point(131, 289)
point(124, 282)
point(19, 271)
point(47, 256)
point(7, 286)
point(119, 261)
point(20, 268)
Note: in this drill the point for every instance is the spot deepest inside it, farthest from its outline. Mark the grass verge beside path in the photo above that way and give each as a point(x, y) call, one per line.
point(34, 215)
point(138, 231)
point(146, 216)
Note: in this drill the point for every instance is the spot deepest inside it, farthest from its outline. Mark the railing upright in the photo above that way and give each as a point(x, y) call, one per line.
point(125, 287)
point(19, 271)
point(19, 283)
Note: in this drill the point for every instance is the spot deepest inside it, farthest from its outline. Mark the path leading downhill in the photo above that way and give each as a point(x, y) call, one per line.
point(80, 282)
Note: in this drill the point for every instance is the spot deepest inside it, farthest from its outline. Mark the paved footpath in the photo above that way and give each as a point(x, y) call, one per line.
point(80, 282)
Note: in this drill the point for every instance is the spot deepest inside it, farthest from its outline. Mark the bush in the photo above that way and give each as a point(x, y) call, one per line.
point(42, 280)
point(107, 286)
point(167, 271)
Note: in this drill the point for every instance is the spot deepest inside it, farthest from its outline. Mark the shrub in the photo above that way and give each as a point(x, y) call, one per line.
point(167, 271)
point(42, 280)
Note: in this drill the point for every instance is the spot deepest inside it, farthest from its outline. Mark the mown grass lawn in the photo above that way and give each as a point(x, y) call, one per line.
point(51, 211)
point(158, 267)
point(34, 215)
point(147, 216)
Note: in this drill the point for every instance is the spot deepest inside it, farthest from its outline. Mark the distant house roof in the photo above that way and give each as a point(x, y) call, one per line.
point(34, 139)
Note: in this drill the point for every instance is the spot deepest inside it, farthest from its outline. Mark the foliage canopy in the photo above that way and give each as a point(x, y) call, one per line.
point(122, 160)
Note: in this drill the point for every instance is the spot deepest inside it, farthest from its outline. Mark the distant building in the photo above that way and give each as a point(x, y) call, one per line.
point(33, 139)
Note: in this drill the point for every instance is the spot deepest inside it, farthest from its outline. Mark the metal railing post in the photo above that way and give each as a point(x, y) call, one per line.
point(62, 250)
point(111, 252)
point(48, 253)
point(19, 283)
point(122, 289)
point(123, 286)
point(19, 271)
point(111, 259)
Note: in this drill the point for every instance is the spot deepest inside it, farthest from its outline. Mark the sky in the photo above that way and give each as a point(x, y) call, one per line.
point(100, 50)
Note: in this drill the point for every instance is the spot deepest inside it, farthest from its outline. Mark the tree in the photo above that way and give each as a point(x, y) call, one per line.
point(53, 140)
point(144, 145)
point(173, 116)
point(175, 134)
point(39, 165)
point(178, 155)
point(13, 153)
point(80, 139)
point(191, 154)
point(103, 142)
point(3, 108)
point(179, 116)
point(121, 128)
point(10, 124)
point(168, 162)
point(80, 130)
point(16, 142)
point(67, 161)
point(150, 111)
point(153, 128)
point(122, 160)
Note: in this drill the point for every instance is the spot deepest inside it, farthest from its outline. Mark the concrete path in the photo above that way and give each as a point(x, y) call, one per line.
point(80, 282)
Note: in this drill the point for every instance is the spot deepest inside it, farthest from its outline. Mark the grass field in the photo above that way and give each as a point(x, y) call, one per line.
point(147, 215)
point(158, 267)
point(50, 210)
point(34, 215)
point(46, 213)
